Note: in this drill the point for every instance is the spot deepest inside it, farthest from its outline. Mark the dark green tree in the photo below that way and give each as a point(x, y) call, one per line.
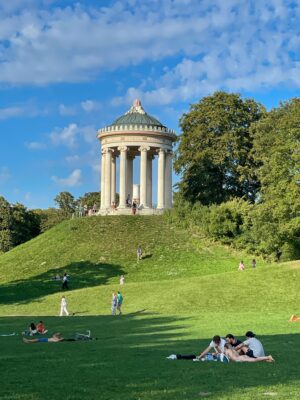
point(66, 203)
point(276, 219)
point(25, 224)
point(215, 149)
point(6, 241)
point(49, 218)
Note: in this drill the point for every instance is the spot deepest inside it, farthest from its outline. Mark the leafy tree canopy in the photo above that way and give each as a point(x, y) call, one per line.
point(66, 202)
point(90, 199)
point(215, 149)
point(277, 148)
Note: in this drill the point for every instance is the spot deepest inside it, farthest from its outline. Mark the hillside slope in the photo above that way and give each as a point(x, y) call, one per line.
point(177, 272)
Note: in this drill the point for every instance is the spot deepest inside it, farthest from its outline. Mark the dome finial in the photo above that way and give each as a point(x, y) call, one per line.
point(137, 103)
point(136, 107)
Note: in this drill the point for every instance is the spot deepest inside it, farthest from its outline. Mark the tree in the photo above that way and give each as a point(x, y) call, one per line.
point(66, 203)
point(276, 220)
point(215, 149)
point(25, 224)
point(90, 199)
point(6, 241)
point(49, 218)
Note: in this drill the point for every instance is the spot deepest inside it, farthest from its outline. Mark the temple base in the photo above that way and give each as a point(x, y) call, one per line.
point(128, 211)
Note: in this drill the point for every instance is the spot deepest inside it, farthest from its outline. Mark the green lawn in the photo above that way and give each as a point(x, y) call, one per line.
point(182, 293)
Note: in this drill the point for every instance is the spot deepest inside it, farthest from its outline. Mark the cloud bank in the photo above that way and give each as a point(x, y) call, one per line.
point(232, 44)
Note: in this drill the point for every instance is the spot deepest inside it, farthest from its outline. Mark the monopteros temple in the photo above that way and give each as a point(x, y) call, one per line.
point(134, 134)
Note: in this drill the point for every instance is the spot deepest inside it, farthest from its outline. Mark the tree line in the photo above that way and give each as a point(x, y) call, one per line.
point(19, 224)
point(240, 169)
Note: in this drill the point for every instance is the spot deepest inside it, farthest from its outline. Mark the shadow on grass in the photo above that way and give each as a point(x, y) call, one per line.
point(83, 274)
point(129, 359)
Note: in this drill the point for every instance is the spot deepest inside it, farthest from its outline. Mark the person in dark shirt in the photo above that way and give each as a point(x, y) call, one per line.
point(232, 340)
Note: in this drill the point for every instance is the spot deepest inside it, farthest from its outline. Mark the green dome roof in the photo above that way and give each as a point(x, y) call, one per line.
point(136, 116)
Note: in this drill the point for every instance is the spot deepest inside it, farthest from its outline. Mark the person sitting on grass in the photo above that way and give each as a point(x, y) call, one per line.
point(294, 318)
point(233, 355)
point(230, 339)
point(54, 339)
point(41, 328)
point(217, 344)
point(251, 347)
point(31, 330)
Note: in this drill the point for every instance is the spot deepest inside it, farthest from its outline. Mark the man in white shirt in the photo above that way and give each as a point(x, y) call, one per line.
point(63, 307)
point(252, 347)
point(217, 344)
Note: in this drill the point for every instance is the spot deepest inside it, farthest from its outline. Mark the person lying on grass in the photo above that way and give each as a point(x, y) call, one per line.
point(233, 355)
point(251, 347)
point(294, 318)
point(54, 339)
point(57, 338)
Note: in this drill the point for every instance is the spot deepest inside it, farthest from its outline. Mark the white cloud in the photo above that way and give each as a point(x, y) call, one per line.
point(66, 110)
point(78, 42)
point(90, 105)
point(69, 135)
point(4, 174)
point(27, 109)
point(35, 145)
point(74, 179)
point(66, 136)
point(74, 159)
point(10, 112)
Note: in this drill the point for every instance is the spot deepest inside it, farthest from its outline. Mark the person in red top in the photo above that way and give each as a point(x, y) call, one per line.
point(41, 328)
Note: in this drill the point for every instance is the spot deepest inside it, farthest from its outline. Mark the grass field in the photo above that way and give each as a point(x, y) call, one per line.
point(183, 292)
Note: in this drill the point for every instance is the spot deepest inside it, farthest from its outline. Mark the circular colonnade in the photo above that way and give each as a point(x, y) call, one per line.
point(136, 134)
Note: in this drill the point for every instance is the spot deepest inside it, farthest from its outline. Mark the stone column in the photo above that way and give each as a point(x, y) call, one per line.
point(161, 179)
point(129, 176)
point(102, 178)
point(123, 173)
point(107, 183)
point(113, 180)
point(143, 175)
point(149, 180)
point(168, 180)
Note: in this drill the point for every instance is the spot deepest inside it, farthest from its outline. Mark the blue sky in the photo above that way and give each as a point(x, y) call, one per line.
point(68, 68)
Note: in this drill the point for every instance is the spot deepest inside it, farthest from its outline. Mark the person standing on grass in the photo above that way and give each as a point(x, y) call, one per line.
point(114, 302)
point(139, 253)
point(65, 282)
point(253, 263)
point(241, 266)
point(63, 307)
point(119, 302)
point(251, 347)
point(122, 280)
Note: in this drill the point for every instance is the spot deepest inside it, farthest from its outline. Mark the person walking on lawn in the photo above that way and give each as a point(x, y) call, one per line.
point(63, 307)
point(119, 302)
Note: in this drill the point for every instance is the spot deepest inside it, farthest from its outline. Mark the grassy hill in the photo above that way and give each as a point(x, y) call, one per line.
point(183, 292)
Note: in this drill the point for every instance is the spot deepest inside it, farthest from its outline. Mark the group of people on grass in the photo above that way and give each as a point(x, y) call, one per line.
point(230, 349)
point(35, 329)
point(242, 265)
point(116, 303)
